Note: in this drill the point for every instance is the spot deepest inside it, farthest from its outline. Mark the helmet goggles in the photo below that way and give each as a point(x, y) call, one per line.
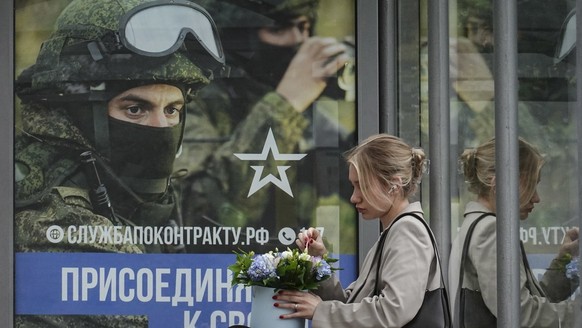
point(160, 28)
point(150, 33)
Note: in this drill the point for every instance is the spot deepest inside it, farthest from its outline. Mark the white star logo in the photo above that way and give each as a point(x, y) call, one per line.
point(258, 183)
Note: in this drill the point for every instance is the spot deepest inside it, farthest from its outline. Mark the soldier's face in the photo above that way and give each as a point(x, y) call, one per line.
point(156, 105)
point(287, 35)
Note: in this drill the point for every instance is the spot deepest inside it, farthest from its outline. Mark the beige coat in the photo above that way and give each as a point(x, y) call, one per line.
point(481, 274)
point(409, 267)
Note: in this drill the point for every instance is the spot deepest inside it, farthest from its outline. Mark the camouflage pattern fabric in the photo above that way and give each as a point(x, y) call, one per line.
point(78, 321)
point(59, 72)
point(46, 155)
point(211, 188)
point(234, 115)
point(50, 185)
point(46, 152)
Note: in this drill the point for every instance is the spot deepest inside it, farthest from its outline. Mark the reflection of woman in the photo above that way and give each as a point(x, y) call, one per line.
point(384, 172)
point(542, 303)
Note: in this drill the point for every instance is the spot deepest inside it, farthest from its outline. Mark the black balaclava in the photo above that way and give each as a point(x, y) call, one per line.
point(141, 151)
point(136, 161)
point(142, 159)
point(270, 62)
point(141, 156)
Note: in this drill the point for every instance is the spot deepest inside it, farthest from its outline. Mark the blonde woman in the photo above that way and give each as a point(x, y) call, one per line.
point(384, 172)
point(542, 303)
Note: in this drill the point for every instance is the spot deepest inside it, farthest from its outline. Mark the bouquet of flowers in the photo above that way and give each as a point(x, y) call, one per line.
point(572, 269)
point(290, 269)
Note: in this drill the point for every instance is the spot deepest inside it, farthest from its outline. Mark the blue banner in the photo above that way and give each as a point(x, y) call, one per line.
point(177, 290)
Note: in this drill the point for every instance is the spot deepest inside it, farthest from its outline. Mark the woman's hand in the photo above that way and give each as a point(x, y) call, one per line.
point(311, 240)
point(302, 304)
point(570, 243)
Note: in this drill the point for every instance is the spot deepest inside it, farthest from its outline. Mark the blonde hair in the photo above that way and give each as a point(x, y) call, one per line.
point(478, 166)
point(382, 162)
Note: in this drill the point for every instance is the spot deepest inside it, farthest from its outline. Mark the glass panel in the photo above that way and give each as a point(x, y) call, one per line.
point(412, 120)
point(140, 232)
point(547, 122)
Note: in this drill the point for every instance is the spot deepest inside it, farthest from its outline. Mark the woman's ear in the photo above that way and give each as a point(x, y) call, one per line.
point(395, 182)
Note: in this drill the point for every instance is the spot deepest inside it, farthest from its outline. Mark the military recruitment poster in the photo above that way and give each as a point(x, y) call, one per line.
point(154, 139)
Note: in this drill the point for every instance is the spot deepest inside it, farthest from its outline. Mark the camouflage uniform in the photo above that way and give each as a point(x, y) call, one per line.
point(234, 115)
point(60, 100)
point(47, 160)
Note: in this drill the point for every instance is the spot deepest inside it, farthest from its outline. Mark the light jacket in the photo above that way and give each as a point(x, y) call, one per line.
point(407, 270)
point(537, 310)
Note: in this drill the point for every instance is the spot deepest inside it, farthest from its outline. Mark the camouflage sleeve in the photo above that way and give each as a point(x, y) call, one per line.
point(80, 321)
point(271, 113)
point(62, 207)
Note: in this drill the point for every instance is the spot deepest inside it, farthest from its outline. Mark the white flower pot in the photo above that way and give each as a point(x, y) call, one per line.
point(265, 315)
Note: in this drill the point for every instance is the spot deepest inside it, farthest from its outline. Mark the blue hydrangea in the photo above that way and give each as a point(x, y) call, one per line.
point(262, 268)
point(323, 270)
point(572, 269)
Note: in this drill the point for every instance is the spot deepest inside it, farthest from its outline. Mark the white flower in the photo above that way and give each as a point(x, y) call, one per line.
point(301, 271)
point(304, 257)
point(270, 256)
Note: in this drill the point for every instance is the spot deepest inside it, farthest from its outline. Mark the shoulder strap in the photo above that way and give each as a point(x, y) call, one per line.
point(383, 238)
point(464, 255)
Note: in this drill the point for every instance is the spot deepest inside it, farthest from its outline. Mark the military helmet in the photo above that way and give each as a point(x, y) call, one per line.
point(109, 42)
point(101, 48)
point(257, 13)
point(238, 21)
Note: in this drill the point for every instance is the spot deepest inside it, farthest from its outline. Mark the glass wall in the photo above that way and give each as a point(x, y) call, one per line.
point(254, 168)
point(547, 119)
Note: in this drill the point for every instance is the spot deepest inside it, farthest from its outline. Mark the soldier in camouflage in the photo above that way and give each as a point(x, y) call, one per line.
point(278, 70)
point(104, 110)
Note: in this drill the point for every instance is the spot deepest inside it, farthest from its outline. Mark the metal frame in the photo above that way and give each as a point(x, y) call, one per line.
point(376, 37)
point(439, 127)
point(367, 98)
point(6, 164)
point(579, 123)
point(507, 162)
point(387, 42)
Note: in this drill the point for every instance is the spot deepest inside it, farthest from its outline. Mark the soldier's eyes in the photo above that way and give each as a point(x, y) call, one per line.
point(172, 111)
point(134, 110)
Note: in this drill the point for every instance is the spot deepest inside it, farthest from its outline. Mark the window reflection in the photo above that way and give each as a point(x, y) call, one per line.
point(546, 116)
point(265, 150)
